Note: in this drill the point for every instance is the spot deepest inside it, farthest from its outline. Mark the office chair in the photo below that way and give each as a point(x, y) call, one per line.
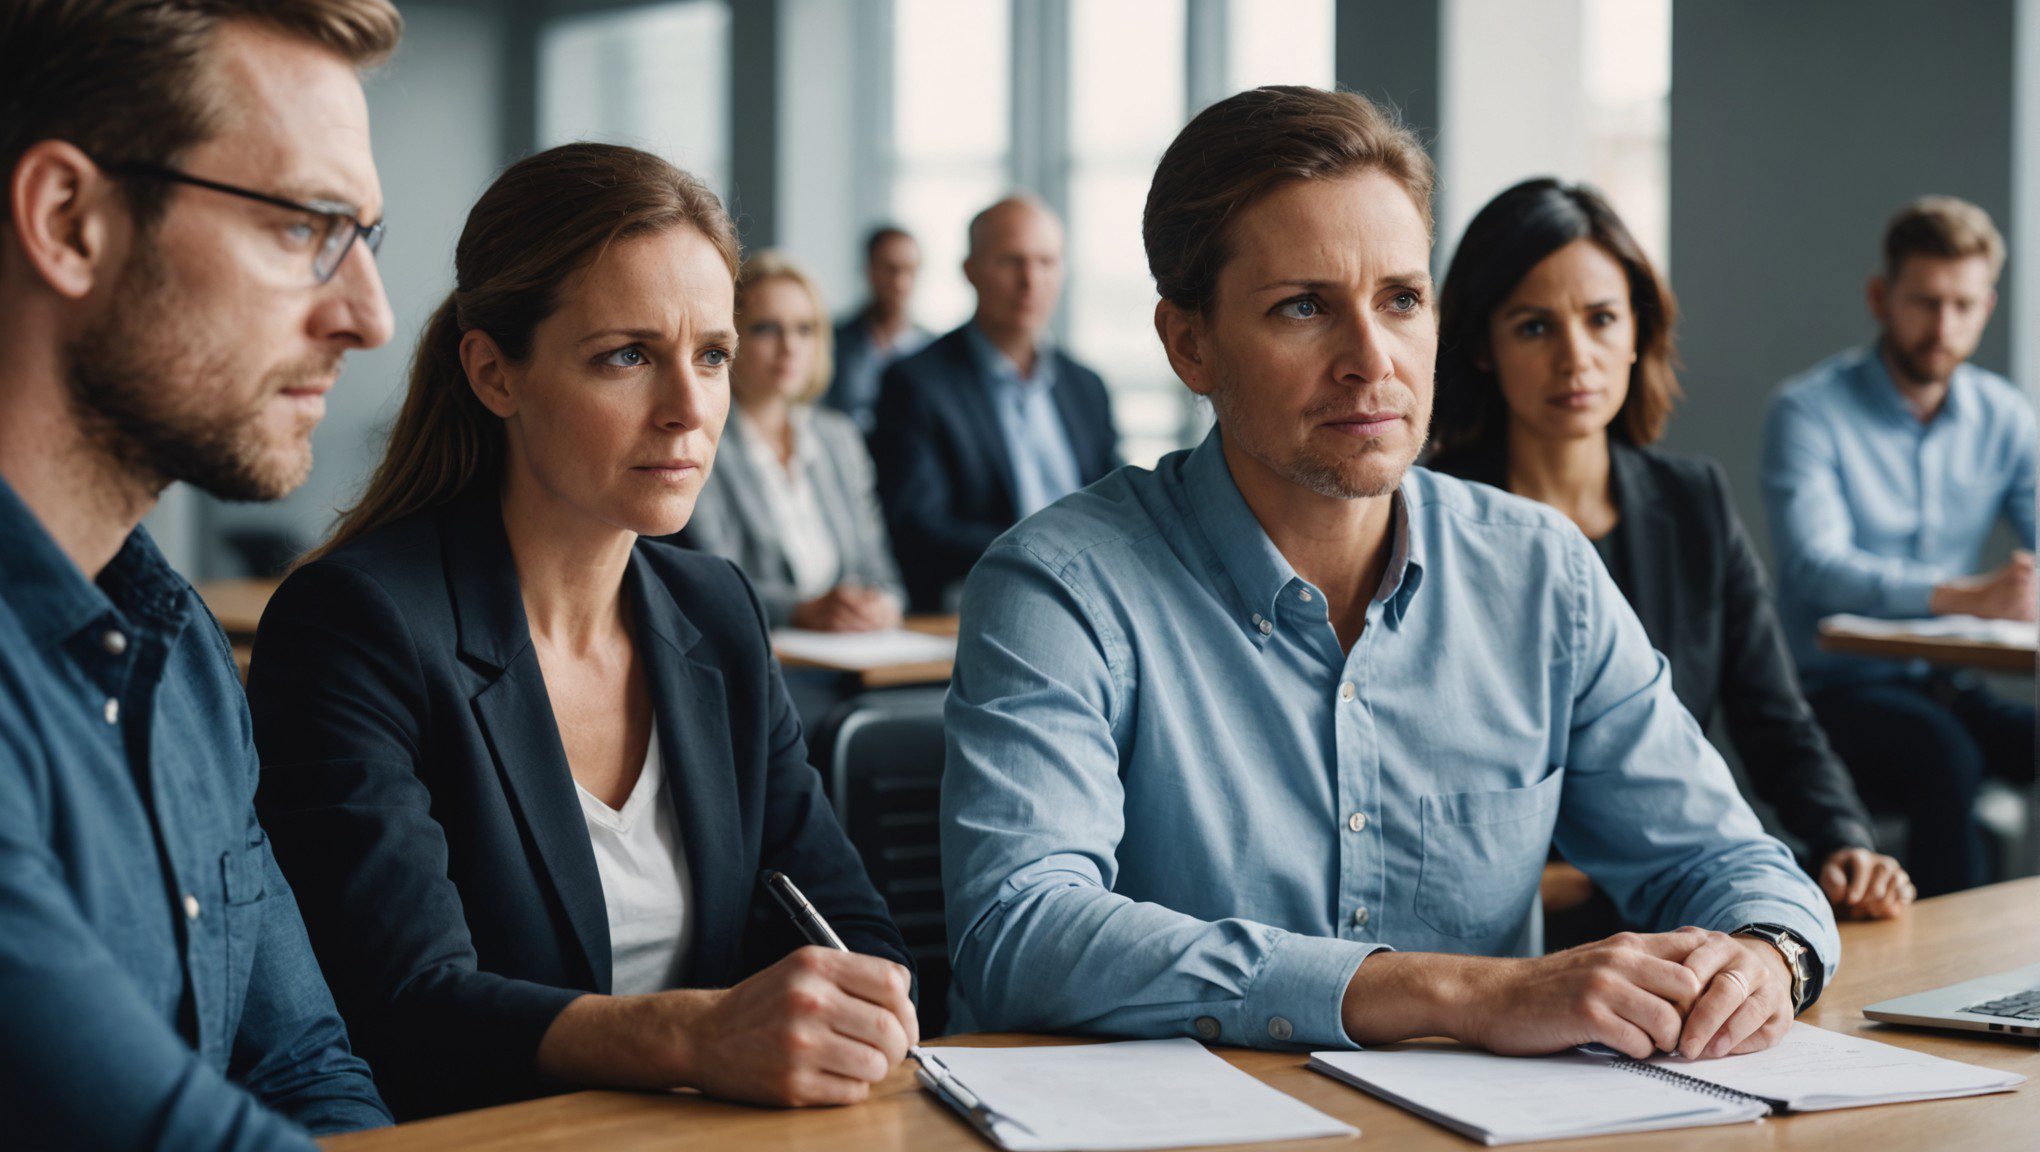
point(881, 758)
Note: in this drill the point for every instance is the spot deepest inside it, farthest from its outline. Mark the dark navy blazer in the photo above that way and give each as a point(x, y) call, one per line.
point(944, 474)
point(419, 797)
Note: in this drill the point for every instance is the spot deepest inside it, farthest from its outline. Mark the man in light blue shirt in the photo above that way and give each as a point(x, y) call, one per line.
point(1885, 471)
point(1044, 464)
point(1268, 746)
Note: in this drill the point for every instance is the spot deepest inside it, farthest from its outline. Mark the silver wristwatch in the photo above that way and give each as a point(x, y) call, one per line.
point(1799, 960)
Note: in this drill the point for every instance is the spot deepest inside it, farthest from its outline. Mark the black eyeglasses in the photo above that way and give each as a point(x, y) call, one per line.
point(340, 227)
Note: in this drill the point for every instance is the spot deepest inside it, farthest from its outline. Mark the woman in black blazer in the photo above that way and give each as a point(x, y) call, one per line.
point(1554, 377)
point(523, 767)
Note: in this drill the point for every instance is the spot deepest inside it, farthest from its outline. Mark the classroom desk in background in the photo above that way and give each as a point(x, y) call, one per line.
point(890, 675)
point(1943, 940)
point(1842, 634)
point(238, 605)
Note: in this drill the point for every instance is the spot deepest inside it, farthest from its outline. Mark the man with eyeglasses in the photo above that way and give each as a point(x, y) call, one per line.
point(180, 277)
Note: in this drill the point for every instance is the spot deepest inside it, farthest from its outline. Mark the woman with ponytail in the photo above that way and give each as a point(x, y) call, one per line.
point(522, 764)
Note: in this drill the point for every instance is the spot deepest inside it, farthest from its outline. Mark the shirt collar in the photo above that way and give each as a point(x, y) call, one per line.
point(53, 599)
point(804, 448)
point(1875, 377)
point(1259, 572)
point(1000, 368)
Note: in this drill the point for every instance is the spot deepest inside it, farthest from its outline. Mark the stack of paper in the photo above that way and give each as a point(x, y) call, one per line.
point(862, 651)
point(2023, 634)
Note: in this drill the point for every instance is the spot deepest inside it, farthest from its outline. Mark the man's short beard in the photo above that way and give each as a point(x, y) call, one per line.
point(1908, 364)
point(1307, 471)
point(140, 392)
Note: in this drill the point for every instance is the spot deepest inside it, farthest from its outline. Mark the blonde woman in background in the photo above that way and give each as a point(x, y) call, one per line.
point(793, 501)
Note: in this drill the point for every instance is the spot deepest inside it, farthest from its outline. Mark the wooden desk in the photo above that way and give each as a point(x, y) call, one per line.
point(1944, 940)
point(893, 675)
point(238, 604)
point(1941, 650)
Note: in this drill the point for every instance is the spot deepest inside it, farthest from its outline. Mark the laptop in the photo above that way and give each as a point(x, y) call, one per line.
point(2007, 1003)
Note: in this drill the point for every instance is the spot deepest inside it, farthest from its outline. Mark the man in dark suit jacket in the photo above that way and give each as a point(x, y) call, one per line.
point(988, 424)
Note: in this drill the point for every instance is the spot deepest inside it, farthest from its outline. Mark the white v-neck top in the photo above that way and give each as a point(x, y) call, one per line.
point(811, 552)
point(645, 882)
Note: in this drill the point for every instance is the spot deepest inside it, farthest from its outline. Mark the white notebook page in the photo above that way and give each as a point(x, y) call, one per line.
point(1130, 1095)
point(1511, 1099)
point(1813, 1069)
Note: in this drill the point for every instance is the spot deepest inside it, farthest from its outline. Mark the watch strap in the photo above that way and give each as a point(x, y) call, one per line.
point(1800, 960)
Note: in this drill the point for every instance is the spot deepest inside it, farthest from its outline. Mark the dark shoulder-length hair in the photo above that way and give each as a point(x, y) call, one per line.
point(1510, 236)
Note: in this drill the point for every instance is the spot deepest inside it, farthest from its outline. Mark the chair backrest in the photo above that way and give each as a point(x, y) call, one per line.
point(884, 772)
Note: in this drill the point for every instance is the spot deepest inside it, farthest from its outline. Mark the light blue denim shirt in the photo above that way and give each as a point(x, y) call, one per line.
point(1870, 509)
point(1044, 465)
point(1173, 806)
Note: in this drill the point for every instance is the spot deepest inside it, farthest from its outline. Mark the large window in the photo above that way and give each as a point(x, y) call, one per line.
point(1628, 78)
point(952, 131)
point(1278, 42)
point(1577, 89)
point(1127, 92)
point(655, 77)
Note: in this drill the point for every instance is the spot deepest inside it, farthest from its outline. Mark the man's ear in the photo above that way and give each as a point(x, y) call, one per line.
point(67, 217)
point(1877, 294)
point(1185, 334)
point(488, 373)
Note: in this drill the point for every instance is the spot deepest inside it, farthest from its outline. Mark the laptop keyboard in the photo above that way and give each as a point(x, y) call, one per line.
point(2018, 1006)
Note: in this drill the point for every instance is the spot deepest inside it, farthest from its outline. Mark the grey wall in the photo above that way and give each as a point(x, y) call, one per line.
point(1390, 51)
point(1796, 130)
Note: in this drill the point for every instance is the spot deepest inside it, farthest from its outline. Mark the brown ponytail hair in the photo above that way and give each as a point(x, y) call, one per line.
point(544, 218)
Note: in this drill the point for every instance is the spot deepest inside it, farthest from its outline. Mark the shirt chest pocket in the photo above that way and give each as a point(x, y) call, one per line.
point(1483, 855)
point(244, 885)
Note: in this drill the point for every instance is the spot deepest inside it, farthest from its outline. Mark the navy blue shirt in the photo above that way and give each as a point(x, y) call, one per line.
point(156, 985)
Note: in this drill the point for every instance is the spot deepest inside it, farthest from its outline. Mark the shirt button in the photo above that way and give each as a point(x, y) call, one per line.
point(1360, 917)
point(1303, 594)
point(1346, 690)
point(1280, 1028)
point(111, 711)
point(191, 908)
point(1357, 822)
point(1207, 1027)
point(115, 641)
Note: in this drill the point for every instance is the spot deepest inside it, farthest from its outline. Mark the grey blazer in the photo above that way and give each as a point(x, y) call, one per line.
point(732, 517)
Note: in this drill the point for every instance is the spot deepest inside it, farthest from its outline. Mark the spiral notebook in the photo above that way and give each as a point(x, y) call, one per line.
point(1515, 1100)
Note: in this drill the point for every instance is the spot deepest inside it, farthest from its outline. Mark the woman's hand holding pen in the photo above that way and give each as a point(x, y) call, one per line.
point(818, 1027)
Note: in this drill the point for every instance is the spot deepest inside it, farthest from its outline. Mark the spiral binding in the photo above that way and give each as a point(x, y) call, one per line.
point(1692, 1083)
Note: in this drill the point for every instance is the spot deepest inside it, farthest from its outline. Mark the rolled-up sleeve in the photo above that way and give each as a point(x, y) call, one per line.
point(1650, 811)
point(1032, 817)
point(1810, 525)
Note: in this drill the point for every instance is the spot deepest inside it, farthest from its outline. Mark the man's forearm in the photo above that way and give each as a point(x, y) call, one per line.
point(1403, 995)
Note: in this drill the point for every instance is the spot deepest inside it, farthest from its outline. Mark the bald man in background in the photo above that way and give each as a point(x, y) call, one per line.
point(990, 423)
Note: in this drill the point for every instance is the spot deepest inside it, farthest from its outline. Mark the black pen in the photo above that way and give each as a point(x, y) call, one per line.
point(818, 933)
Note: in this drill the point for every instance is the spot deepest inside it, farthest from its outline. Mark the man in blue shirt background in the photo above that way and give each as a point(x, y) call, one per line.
point(1226, 735)
point(1886, 470)
point(186, 256)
